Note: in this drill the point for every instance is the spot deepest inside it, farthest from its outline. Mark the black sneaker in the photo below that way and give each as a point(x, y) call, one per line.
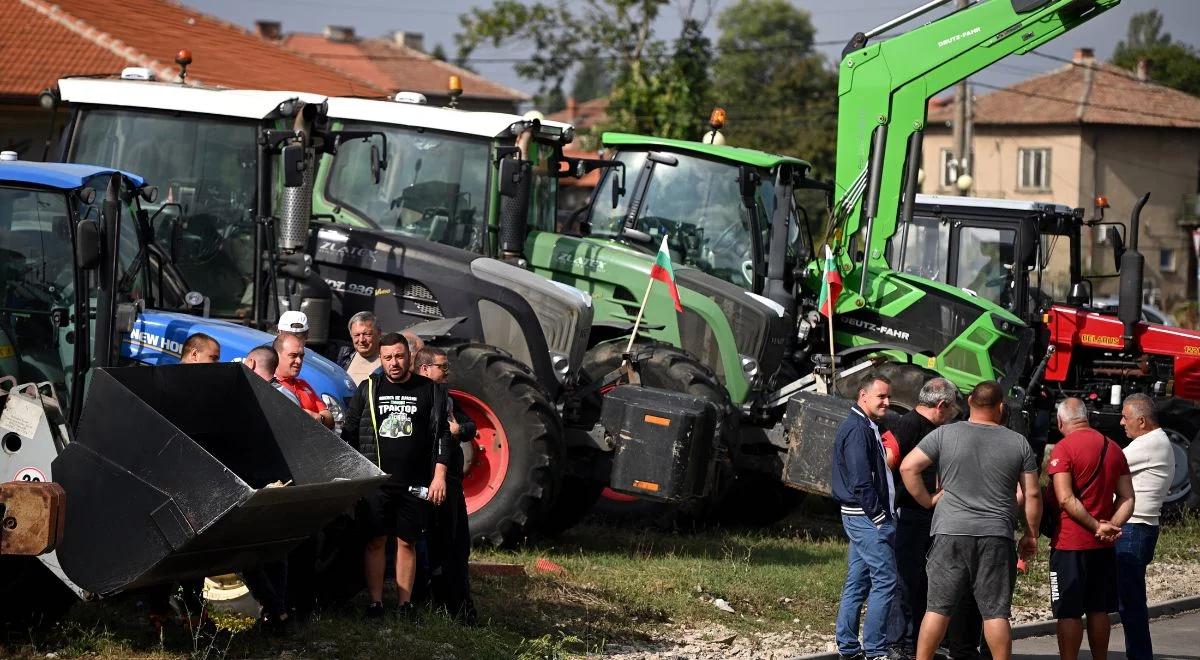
point(375, 610)
point(852, 656)
point(407, 612)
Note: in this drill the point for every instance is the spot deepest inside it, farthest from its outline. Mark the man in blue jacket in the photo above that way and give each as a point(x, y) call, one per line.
point(863, 485)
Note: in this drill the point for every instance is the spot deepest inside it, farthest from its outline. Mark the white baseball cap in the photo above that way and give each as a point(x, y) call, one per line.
point(293, 321)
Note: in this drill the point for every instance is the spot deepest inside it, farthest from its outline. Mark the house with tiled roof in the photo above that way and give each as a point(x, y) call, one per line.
point(397, 63)
point(47, 40)
point(1088, 128)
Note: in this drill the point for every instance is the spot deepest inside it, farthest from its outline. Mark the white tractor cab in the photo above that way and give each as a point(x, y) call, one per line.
point(228, 158)
point(167, 469)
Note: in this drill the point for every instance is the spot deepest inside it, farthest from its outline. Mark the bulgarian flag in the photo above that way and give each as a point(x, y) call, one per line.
point(831, 285)
point(663, 272)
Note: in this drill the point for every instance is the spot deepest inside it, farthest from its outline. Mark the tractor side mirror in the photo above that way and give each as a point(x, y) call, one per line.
point(87, 245)
point(618, 189)
point(377, 164)
point(1112, 234)
point(293, 165)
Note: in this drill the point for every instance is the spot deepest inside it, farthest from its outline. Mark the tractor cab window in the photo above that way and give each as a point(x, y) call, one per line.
point(36, 287)
point(434, 186)
point(698, 204)
point(205, 170)
point(924, 248)
point(985, 262)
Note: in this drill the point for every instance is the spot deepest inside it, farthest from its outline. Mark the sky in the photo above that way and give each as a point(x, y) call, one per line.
point(835, 20)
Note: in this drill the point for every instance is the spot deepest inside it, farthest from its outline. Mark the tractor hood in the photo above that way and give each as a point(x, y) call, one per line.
point(157, 339)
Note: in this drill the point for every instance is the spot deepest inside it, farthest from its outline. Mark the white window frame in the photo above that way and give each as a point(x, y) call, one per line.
point(1173, 264)
point(1039, 181)
point(946, 177)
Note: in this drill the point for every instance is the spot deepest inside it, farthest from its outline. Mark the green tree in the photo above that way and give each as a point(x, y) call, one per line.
point(779, 93)
point(438, 53)
point(1171, 63)
point(658, 86)
point(592, 79)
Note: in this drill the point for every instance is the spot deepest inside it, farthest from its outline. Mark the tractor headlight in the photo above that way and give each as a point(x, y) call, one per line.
point(749, 367)
point(561, 364)
point(335, 409)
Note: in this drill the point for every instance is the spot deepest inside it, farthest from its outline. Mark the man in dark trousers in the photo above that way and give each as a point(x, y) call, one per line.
point(863, 485)
point(1095, 497)
point(935, 406)
point(398, 420)
point(450, 543)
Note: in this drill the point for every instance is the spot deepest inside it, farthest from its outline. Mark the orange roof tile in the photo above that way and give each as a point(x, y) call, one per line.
point(66, 37)
point(584, 115)
point(396, 67)
point(1088, 92)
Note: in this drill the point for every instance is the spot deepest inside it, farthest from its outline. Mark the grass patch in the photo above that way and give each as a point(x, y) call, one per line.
point(621, 585)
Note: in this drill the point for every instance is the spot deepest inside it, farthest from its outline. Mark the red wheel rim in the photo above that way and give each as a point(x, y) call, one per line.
point(608, 493)
point(483, 477)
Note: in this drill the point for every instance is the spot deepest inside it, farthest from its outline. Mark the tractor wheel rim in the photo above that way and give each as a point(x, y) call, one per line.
point(484, 476)
point(1181, 485)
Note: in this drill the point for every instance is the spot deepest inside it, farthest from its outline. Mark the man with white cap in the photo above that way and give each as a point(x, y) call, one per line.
point(294, 322)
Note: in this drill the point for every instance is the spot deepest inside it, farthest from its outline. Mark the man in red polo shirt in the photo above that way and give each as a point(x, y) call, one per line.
point(291, 358)
point(1095, 495)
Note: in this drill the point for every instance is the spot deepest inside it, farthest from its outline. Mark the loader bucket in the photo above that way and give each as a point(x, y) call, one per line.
point(811, 422)
point(167, 477)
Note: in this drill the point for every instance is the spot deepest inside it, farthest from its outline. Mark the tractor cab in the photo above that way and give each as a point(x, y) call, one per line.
point(1017, 254)
point(715, 203)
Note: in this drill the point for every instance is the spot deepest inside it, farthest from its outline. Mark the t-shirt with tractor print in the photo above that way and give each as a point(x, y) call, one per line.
point(406, 448)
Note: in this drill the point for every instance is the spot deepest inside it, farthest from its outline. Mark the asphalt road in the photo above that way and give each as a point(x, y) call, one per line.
point(1175, 638)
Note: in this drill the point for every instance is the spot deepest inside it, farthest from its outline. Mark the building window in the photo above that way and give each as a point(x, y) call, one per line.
point(1166, 261)
point(1034, 171)
point(948, 168)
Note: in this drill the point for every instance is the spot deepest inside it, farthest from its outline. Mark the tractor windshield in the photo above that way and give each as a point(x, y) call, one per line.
point(205, 170)
point(434, 186)
point(698, 204)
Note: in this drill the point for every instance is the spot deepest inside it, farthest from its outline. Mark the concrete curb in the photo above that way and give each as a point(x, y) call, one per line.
point(1045, 628)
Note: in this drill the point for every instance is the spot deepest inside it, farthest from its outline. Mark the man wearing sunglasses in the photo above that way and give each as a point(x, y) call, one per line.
point(450, 540)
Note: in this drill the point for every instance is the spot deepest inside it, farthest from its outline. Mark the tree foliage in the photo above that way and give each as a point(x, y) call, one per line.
point(779, 93)
point(1171, 63)
point(656, 85)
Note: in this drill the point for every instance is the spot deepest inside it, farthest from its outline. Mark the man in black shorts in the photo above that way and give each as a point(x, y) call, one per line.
point(979, 466)
point(398, 420)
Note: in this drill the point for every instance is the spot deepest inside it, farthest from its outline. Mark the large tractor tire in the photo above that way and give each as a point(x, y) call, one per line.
point(1180, 419)
point(664, 366)
point(907, 380)
point(515, 461)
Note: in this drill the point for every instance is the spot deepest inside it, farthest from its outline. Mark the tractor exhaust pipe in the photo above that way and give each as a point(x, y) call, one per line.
point(302, 289)
point(1132, 266)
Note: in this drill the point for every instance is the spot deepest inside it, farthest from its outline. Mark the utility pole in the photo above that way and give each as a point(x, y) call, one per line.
point(962, 130)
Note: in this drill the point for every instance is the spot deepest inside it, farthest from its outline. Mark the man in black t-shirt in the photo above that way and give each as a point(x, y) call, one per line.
point(398, 420)
point(935, 406)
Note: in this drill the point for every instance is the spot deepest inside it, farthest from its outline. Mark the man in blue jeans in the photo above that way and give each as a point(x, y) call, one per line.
point(1153, 468)
point(863, 485)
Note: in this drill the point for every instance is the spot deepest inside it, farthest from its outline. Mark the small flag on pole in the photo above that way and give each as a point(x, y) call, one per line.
point(831, 285)
point(663, 272)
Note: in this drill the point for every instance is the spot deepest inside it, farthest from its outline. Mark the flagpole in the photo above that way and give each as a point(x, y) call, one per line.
point(638, 321)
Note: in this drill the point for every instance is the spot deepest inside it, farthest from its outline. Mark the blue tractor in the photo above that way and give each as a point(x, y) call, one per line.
point(167, 468)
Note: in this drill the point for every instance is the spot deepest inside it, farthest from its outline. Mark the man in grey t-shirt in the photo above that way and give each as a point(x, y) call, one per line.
point(979, 465)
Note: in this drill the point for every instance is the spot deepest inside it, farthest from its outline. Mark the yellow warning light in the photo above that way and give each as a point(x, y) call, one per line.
point(1101, 202)
point(455, 84)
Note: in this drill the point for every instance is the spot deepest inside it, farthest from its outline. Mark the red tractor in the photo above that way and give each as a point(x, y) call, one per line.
point(1001, 249)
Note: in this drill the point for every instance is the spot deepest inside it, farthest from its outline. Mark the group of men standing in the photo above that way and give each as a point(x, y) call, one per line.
point(402, 419)
point(932, 551)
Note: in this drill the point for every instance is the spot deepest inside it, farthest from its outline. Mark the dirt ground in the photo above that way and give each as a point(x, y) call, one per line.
point(1164, 581)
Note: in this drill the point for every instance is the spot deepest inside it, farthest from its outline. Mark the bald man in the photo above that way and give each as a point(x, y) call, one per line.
point(1095, 497)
